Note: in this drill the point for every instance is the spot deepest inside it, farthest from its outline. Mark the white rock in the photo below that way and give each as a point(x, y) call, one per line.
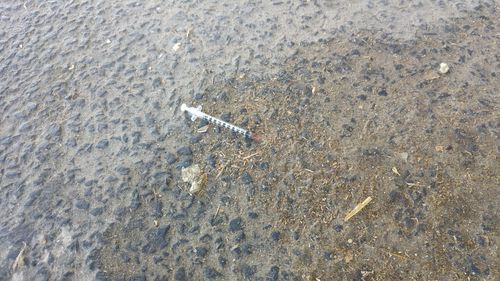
point(176, 47)
point(443, 68)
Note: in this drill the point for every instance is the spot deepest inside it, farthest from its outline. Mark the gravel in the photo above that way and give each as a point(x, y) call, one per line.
point(92, 141)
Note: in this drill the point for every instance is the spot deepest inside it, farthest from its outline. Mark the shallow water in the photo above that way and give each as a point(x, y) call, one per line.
point(349, 102)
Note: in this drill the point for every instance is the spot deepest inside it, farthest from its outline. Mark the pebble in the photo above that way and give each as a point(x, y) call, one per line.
point(122, 170)
point(102, 144)
point(184, 163)
point(235, 224)
point(246, 178)
point(240, 237)
point(170, 158)
point(210, 272)
point(25, 127)
point(328, 255)
point(157, 207)
point(180, 274)
point(338, 227)
point(382, 93)
point(252, 215)
point(226, 116)
point(211, 160)
point(443, 68)
point(54, 131)
point(275, 235)
point(82, 204)
point(96, 211)
point(248, 271)
point(222, 261)
point(273, 273)
point(200, 251)
point(31, 106)
point(185, 150)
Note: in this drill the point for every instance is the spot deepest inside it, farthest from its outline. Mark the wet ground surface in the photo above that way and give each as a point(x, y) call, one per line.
point(349, 102)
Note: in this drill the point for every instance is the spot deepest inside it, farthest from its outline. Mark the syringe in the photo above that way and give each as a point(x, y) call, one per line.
point(197, 113)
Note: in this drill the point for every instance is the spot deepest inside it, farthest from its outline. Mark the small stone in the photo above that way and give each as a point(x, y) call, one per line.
point(170, 158)
point(328, 255)
point(382, 93)
point(19, 115)
point(226, 116)
point(246, 178)
point(176, 46)
point(210, 272)
point(276, 235)
point(443, 68)
point(338, 227)
point(102, 144)
point(122, 170)
point(235, 224)
point(211, 161)
point(25, 127)
point(248, 271)
point(240, 237)
point(362, 97)
point(184, 163)
point(82, 204)
point(252, 215)
point(200, 251)
point(180, 274)
point(157, 207)
point(54, 131)
point(222, 261)
point(273, 273)
point(185, 150)
point(395, 196)
point(31, 106)
point(96, 211)
point(195, 177)
point(195, 139)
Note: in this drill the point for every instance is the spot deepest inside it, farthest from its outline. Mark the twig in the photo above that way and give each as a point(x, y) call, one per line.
point(250, 156)
point(396, 255)
point(357, 209)
point(222, 170)
point(217, 212)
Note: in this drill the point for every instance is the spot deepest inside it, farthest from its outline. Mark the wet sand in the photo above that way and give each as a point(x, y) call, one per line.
point(349, 100)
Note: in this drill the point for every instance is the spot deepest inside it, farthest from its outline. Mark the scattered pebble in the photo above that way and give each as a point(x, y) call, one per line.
point(235, 224)
point(443, 68)
point(194, 176)
point(176, 46)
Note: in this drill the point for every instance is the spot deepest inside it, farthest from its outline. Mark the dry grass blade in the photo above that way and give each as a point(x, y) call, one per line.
point(358, 208)
point(19, 259)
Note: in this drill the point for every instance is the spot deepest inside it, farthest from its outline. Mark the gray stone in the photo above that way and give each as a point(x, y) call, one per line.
point(82, 204)
point(122, 170)
point(102, 144)
point(185, 151)
point(180, 274)
point(96, 211)
point(235, 224)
